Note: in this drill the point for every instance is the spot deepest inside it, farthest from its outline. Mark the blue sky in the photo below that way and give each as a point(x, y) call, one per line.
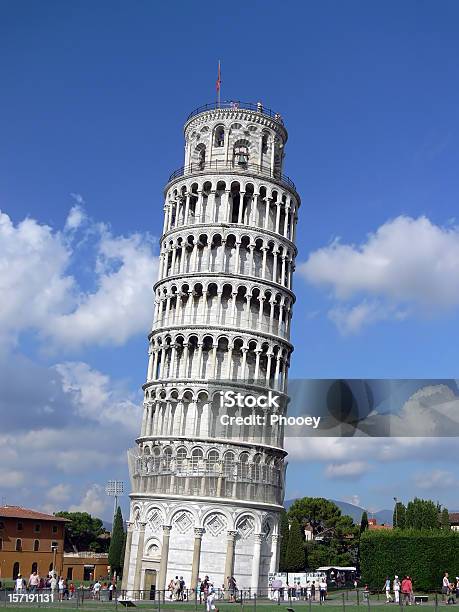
point(94, 96)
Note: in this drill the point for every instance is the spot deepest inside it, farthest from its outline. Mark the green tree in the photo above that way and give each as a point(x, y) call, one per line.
point(364, 522)
point(321, 514)
point(115, 552)
point(444, 520)
point(399, 516)
point(284, 533)
point(295, 557)
point(83, 532)
point(422, 514)
point(335, 536)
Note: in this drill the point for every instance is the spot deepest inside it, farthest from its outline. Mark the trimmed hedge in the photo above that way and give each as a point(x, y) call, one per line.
point(423, 555)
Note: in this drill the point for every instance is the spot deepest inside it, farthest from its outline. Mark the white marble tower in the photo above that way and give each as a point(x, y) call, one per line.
point(206, 497)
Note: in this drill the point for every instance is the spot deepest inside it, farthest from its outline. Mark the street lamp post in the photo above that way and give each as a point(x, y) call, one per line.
point(396, 512)
point(115, 488)
point(54, 561)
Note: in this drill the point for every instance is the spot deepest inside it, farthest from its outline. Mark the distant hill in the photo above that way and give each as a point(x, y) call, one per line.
point(355, 512)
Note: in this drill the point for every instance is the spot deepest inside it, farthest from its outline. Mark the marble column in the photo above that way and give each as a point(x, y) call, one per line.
point(127, 556)
point(229, 561)
point(138, 561)
point(258, 537)
point(164, 558)
point(198, 533)
point(274, 547)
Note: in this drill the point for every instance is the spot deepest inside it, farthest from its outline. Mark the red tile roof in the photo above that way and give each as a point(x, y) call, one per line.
point(454, 517)
point(26, 513)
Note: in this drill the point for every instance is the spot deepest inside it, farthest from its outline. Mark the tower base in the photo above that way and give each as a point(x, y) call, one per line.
point(196, 538)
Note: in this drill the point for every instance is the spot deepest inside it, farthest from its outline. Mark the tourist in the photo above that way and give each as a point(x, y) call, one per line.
point(313, 590)
point(19, 585)
point(457, 586)
point(323, 590)
point(170, 588)
point(407, 590)
point(181, 588)
point(34, 582)
point(298, 590)
point(232, 588)
point(387, 589)
point(451, 594)
point(210, 598)
point(445, 586)
point(61, 587)
point(176, 588)
point(53, 584)
point(205, 587)
point(366, 594)
point(96, 590)
point(396, 587)
point(71, 590)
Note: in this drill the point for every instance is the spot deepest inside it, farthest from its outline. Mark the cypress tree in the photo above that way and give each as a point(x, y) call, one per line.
point(295, 558)
point(115, 552)
point(399, 517)
point(444, 520)
point(364, 522)
point(284, 533)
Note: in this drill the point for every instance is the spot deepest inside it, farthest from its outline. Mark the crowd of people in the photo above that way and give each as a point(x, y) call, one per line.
point(59, 586)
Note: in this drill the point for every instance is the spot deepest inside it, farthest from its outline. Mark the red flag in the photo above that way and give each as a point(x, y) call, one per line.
point(219, 78)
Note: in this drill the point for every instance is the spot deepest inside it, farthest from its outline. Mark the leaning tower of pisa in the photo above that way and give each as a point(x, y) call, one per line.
point(206, 489)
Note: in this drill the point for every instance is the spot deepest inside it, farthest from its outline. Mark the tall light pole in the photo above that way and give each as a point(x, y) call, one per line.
point(54, 561)
point(396, 512)
point(115, 488)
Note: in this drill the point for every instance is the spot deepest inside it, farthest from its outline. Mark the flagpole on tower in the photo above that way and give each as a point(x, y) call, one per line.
point(219, 83)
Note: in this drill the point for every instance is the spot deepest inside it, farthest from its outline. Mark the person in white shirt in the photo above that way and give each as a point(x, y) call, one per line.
point(34, 581)
point(387, 589)
point(210, 598)
point(96, 589)
point(53, 583)
point(445, 586)
point(396, 587)
point(323, 589)
point(19, 584)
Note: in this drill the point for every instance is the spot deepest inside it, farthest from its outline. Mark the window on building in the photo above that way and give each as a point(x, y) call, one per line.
point(54, 528)
point(16, 572)
point(36, 545)
point(37, 527)
point(220, 136)
point(2, 525)
point(1, 543)
point(20, 526)
point(54, 545)
point(70, 573)
point(264, 144)
point(34, 567)
point(19, 544)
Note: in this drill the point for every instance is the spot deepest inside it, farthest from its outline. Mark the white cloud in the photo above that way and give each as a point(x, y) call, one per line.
point(384, 450)
point(352, 470)
point(406, 265)
point(45, 297)
point(93, 501)
point(76, 216)
point(59, 493)
point(32, 263)
point(95, 396)
point(11, 478)
point(122, 305)
point(435, 479)
point(351, 319)
point(353, 499)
